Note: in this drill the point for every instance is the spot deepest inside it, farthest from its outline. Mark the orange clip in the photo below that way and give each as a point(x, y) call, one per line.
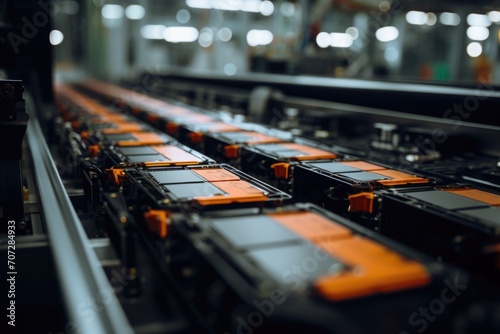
point(195, 137)
point(495, 251)
point(362, 202)
point(26, 194)
point(116, 175)
point(281, 170)
point(94, 150)
point(120, 104)
point(84, 135)
point(135, 111)
point(231, 151)
point(76, 125)
point(171, 128)
point(152, 118)
point(157, 222)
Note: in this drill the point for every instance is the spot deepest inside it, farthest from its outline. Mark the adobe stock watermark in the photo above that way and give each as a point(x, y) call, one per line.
point(294, 279)
point(424, 316)
point(470, 104)
point(31, 26)
point(150, 82)
point(263, 309)
point(456, 115)
point(378, 19)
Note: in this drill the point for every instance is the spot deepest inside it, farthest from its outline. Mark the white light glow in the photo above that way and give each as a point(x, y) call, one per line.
point(230, 69)
point(287, 9)
point(384, 6)
point(323, 40)
point(478, 20)
point(112, 12)
point(135, 12)
point(387, 34)
point(449, 19)
point(416, 17)
point(430, 19)
point(183, 16)
point(56, 37)
point(266, 8)
point(259, 37)
point(180, 34)
point(391, 55)
point(251, 6)
point(202, 4)
point(224, 34)
point(353, 32)
point(478, 33)
point(494, 16)
point(152, 31)
point(340, 40)
point(229, 5)
point(474, 49)
point(206, 37)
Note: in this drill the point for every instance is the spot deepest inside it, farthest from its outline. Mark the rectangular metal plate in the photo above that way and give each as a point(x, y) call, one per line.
point(175, 176)
point(445, 199)
point(245, 232)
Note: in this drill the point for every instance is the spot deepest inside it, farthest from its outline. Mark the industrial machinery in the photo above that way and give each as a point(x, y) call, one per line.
point(259, 230)
point(253, 203)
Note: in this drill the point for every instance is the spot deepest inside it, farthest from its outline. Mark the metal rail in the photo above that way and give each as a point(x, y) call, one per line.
point(91, 304)
point(332, 83)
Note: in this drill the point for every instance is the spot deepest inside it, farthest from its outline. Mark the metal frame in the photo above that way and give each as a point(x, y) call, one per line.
point(90, 302)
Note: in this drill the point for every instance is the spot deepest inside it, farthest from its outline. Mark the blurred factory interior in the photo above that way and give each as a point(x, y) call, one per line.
point(446, 42)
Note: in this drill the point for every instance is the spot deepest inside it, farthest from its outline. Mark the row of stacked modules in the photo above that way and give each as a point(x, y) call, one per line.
point(265, 231)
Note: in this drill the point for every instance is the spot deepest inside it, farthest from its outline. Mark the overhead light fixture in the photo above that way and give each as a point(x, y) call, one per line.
point(478, 33)
point(340, 40)
point(449, 19)
point(180, 34)
point(387, 34)
point(112, 12)
point(152, 31)
point(478, 20)
point(259, 37)
point(474, 49)
point(416, 17)
point(135, 12)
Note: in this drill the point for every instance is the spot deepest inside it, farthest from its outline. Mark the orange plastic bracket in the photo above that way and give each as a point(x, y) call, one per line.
point(116, 175)
point(195, 137)
point(76, 125)
point(94, 150)
point(281, 170)
point(171, 128)
point(362, 202)
point(157, 221)
point(152, 118)
point(84, 135)
point(231, 151)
